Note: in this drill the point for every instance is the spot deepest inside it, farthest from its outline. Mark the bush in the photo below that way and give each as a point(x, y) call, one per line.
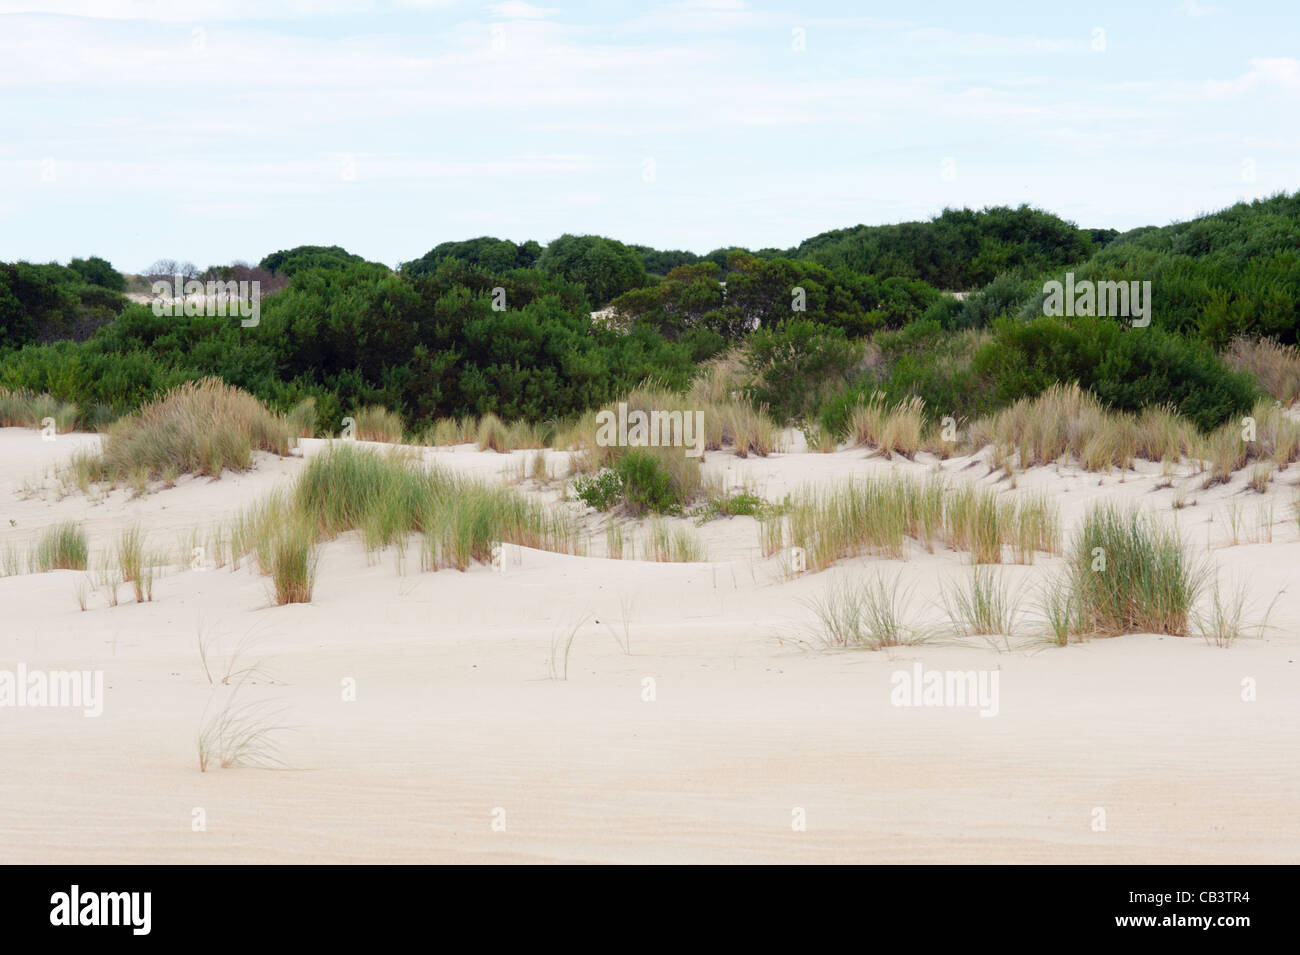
point(1127, 368)
point(601, 490)
point(798, 364)
point(648, 485)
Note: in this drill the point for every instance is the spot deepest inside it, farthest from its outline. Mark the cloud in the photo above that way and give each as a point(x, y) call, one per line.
point(1193, 9)
point(1275, 73)
point(518, 10)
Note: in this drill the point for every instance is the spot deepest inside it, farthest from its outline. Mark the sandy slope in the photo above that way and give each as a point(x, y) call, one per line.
point(456, 715)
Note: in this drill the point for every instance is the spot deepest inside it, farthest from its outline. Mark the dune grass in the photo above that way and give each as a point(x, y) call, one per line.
point(384, 496)
point(377, 423)
point(241, 734)
point(25, 409)
point(133, 563)
point(294, 556)
point(1132, 574)
point(878, 516)
point(62, 547)
point(983, 604)
point(866, 614)
point(1275, 366)
point(674, 544)
point(199, 427)
point(892, 429)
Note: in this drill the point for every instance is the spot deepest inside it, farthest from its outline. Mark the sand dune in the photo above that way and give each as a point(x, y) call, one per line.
point(751, 727)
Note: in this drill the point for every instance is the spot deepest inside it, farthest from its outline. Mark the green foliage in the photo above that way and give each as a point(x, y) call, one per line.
point(485, 252)
point(303, 257)
point(922, 360)
point(601, 490)
point(1128, 368)
point(797, 364)
point(97, 271)
point(648, 485)
point(605, 267)
point(960, 249)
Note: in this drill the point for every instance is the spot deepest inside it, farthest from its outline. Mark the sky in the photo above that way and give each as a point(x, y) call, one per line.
point(220, 131)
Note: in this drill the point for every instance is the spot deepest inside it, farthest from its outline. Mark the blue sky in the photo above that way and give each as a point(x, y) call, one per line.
point(215, 131)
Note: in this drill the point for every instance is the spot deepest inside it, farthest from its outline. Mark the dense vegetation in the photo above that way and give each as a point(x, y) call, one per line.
point(491, 325)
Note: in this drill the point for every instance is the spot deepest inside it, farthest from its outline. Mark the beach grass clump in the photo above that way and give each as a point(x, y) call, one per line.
point(668, 543)
point(877, 516)
point(377, 423)
point(1060, 609)
point(25, 409)
point(199, 427)
point(62, 547)
point(241, 734)
point(387, 496)
point(982, 605)
point(133, 564)
point(301, 419)
point(891, 429)
point(1130, 573)
point(294, 556)
point(1276, 367)
point(865, 615)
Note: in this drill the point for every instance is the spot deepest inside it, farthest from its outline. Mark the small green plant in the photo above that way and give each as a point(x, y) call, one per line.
point(62, 547)
point(601, 490)
point(133, 564)
point(648, 485)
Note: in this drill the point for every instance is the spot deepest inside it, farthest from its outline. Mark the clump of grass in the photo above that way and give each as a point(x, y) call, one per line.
point(349, 488)
point(771, 530)
point(1275, 366)
point(197, 428)
point(1060, 609)
point(377, 423)
point(866, 615)
point(241, 734)
point(62, 547)
point(896, 429)
point(614, 540)
point(984, 605)
point(877, 515)
point(11, 561)
point(1260, 476)
point(133, 563)
point(24, 409)
point(1220, 623)
point(301, 419)
point(294, 558)
point(493, 435)
point(674, 544)
point(81, 588)
point(1132, 574)
point(562, 647)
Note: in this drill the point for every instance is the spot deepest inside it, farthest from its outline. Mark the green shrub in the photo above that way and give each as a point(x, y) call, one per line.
point(601, 490)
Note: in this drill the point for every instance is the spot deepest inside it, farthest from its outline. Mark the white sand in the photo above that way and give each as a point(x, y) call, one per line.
point(456, 716)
